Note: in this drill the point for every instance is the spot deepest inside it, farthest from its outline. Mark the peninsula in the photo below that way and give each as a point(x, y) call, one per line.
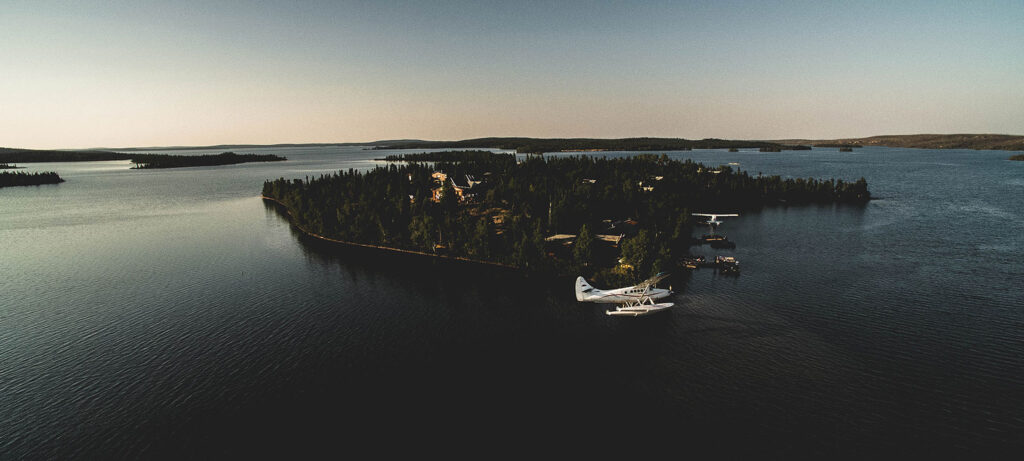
point(140, 160)
point(143, 161)
point(8, 179)
point(622, 214)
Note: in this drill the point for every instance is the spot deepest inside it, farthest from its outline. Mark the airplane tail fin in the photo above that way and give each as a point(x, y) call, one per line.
point(582, 287)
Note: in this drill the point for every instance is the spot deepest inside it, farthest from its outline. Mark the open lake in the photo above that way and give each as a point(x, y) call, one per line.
point(173, 313)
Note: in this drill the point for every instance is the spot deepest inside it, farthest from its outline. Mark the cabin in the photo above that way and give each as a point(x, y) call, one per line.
point(463, 186)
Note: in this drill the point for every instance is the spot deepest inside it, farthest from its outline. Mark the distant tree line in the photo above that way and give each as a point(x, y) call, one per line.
point(445, 156)
point(8, 155)
point(837, 144)
point(392, 206)
point(179, 161)
point(28, 179)
point(534, 145)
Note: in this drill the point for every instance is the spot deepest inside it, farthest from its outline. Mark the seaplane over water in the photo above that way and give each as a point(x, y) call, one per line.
point(713, 218)
point(633, 301)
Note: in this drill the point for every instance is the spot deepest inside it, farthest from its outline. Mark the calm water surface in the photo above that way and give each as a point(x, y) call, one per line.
point(172, 313)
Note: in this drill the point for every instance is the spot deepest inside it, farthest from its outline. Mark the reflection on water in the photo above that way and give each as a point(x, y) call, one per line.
point(173, 312)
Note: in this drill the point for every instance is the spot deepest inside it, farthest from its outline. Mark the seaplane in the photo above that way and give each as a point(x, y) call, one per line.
point(633, 301)
point(713, 218)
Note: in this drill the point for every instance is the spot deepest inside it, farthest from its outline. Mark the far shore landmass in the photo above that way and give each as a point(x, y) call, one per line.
point(539, 145)
point(924, 141)
point(141, 161)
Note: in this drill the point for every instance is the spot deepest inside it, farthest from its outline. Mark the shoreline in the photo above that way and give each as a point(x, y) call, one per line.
point(291, 221)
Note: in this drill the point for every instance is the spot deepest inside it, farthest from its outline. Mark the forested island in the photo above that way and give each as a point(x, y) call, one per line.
point(8, 179)
point(1017, 157)
point(143, 161)
point(491, 207)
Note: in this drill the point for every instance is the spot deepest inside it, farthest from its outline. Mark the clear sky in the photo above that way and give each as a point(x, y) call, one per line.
point(141, 73)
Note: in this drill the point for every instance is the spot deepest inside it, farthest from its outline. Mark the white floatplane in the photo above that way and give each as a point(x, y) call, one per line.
point(713, 218)
point(633, 301)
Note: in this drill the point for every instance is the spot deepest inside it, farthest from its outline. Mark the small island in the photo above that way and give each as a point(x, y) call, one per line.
point(603, 217)
point(8, 179)
point(5, 166)
point(1017, 157)
point(144, 161)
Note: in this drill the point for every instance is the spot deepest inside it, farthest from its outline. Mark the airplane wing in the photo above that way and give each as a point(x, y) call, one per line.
point(702, 214)
point(653, 280)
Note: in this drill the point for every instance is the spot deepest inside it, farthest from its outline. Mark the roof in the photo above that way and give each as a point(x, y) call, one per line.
point(461, 183)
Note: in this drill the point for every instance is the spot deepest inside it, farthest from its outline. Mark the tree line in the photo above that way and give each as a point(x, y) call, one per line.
point(28, 179)
point(535, 145)
point(445, 156)
point(8, 155)
point(143, 161)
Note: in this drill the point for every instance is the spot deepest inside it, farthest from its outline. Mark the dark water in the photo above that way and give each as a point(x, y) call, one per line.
point(170, 313)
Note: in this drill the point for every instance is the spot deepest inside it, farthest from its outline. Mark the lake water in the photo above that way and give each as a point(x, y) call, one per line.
point(171, 313)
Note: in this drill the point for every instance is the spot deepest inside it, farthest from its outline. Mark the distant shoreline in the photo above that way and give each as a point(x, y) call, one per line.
point(924, 141)
point(527, 144)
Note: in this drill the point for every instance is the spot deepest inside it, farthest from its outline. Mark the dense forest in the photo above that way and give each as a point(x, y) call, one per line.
point(507, 216)
point(181, 161)
point(446, 156)
point(535, 145)
point(28, 179)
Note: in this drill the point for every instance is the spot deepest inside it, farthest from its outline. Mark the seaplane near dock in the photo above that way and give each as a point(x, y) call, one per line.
point(633, 301)
point(713, 218)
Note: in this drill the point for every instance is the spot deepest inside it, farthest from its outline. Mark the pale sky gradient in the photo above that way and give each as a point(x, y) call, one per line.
point(140, 73)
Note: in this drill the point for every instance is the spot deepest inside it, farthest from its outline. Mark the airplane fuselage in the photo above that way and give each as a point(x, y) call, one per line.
point(589, 294)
